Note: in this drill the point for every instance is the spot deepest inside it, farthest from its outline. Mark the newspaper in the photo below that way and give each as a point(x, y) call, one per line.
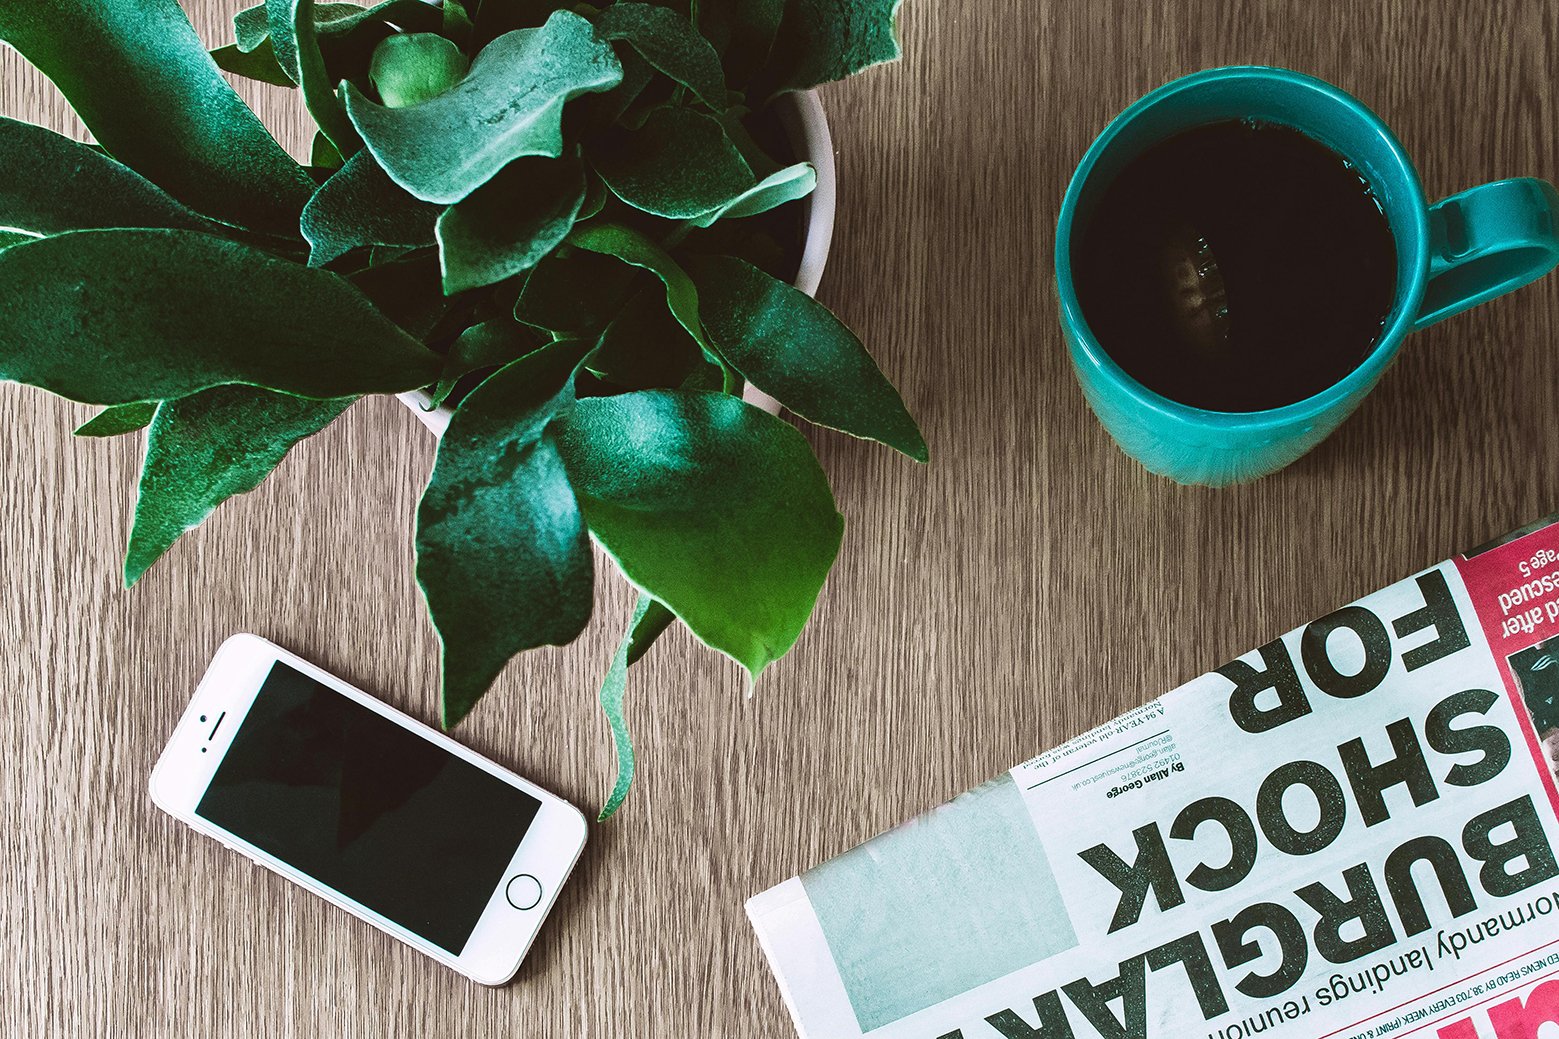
point(1349, 832)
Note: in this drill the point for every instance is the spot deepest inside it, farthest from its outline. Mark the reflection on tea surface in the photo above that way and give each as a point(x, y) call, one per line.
point(1237, 266)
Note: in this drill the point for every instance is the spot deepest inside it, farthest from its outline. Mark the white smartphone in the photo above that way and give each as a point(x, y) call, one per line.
point(368, 808)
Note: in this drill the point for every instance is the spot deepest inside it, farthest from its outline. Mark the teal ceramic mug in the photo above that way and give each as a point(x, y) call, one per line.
point(1453, 255)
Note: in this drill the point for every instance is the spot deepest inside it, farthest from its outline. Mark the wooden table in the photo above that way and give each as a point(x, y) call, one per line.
point(1028, 584)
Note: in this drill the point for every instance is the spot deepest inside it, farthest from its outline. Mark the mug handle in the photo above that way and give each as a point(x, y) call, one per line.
point(1487, 241)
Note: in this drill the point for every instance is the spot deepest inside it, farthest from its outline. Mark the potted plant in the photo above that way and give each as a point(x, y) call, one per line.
point(572, 227)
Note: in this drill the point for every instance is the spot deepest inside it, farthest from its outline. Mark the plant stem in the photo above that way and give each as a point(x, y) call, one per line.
point(675, 236)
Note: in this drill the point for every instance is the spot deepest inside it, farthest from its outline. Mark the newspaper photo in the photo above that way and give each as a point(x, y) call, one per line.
point(1349, 832)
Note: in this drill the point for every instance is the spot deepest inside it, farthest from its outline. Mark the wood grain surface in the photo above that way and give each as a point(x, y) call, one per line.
point(1026, 585)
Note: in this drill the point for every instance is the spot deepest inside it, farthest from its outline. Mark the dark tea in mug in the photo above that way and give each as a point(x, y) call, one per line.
point(1237, 266)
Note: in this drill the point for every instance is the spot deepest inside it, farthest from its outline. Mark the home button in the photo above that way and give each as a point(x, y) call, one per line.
point(523, 891)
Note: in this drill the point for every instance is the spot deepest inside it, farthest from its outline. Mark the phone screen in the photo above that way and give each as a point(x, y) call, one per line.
point(380, 814)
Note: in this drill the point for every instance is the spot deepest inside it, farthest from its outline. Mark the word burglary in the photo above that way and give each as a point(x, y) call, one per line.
point(1499, 851)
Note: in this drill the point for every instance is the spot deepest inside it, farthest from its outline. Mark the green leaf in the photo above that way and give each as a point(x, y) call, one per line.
point(644, 348)
point(359, 205)
point(9, 238)
point(495, 17)
point(207, 447)
point(50, 184)
point(407, 291)
point(575, 293)
point(509, 105)
point(119, 419)
point(139, 77)
point(599, 112)
point(756, 246)
point(114, 316)
point(486, 345)
point(410, 68)
point(508, 224)
point(668, 41)
point(647, 627)
point(595, 199)
point(679, 165)
point(710, 505)
point(820, 41)
point(457, 24)
point(259, 64)
point(650, 618)
point(323, 154)
point(743, 32)
point(775, 190)
point(297, 51)
point(252, 26)
point(788, 345)
point(734, 122)
point(634, 248)
point(340, 26)
point(502, 555)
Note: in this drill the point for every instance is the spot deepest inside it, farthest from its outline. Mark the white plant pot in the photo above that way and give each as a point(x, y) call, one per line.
point(801, 114)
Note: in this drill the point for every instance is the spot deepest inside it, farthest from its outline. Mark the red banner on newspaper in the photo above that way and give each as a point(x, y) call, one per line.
point(1514, 587)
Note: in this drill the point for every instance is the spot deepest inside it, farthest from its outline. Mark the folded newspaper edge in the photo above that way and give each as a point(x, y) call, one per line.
point(1349, 832)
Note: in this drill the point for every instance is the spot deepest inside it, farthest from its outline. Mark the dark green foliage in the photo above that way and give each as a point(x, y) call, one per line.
point(338, 24)
point(819, 41)
point(295, 43)
point(645, 348)
point(679, 164)
point(509, 224)
point(491, 344)
point(668, 41)
point(404, 286)
point(564, 220)
point(137, 75)
point(359, 205)
point(110, 317)
point(207, 447)
point(743, 32)
point(118, 419)
point(509, 105)
point(346, 33)
point(258, 64)
point(789, 346)
point(50, 184)
point(575, 292)
point(638, 250)
point(684, 489)
point(501, 549)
